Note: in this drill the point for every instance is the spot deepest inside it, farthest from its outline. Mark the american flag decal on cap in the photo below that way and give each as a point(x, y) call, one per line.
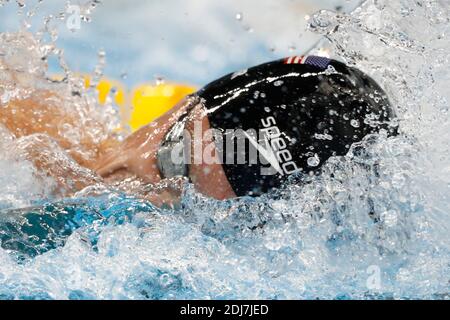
point(295, 60)
point(319, 62)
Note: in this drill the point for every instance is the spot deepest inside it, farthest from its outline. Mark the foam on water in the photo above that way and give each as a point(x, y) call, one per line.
point(375, 224)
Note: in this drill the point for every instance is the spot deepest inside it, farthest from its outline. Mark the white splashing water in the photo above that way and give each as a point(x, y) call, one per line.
point(375, 224)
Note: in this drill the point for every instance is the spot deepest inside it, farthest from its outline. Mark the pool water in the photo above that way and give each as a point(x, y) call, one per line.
point(374, 225)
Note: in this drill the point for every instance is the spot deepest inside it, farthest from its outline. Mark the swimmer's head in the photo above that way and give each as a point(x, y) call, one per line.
point(288, 117)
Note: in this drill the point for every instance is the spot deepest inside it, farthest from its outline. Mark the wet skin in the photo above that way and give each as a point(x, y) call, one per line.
point(36, 123)
point(137, 154)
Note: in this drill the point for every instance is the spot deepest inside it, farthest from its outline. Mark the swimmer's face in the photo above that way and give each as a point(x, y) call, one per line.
point(137, 155)
point(208, 178)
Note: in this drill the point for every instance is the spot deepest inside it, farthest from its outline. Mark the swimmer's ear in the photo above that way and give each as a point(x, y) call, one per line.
point(111, 163)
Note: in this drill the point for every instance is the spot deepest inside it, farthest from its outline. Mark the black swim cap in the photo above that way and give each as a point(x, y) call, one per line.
point(309, 108)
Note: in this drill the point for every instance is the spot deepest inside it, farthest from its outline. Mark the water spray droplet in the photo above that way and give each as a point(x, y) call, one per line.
point(355, 123)
point(159, 80)
point(278, 83)
point(314, 161)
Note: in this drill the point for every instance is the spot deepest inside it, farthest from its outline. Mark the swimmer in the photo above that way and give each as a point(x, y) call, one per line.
point(242, 135)
point(293, 113)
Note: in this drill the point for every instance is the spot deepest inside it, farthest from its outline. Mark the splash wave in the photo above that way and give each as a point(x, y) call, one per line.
point(375, 224)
